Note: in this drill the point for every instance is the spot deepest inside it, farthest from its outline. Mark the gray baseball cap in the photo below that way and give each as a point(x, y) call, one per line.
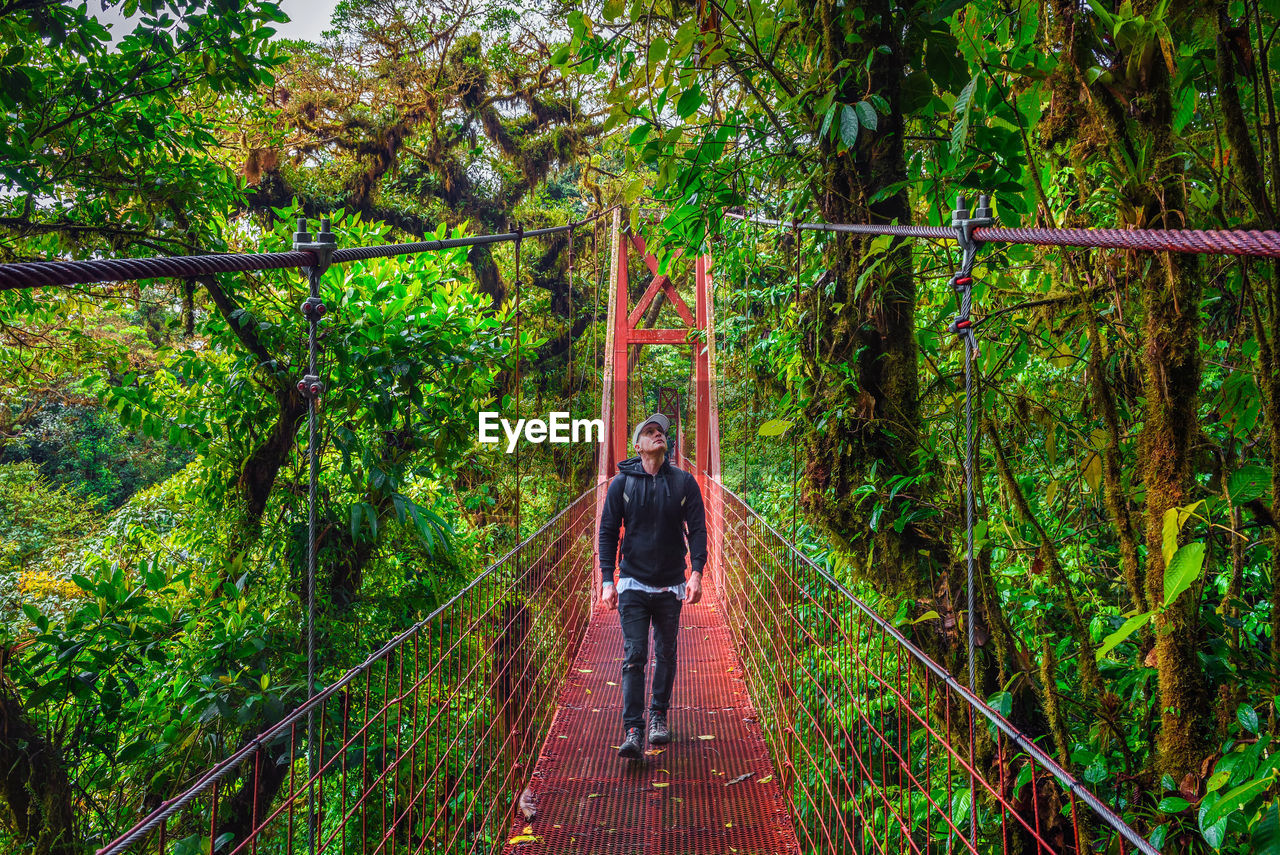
point(656, 419)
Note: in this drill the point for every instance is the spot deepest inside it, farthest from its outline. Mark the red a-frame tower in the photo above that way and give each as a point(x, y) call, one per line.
point(623, 331)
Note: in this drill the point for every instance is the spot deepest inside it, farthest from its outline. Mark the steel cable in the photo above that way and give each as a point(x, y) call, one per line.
point(36, 274)
point(313, 475)
point(1261, 244)
point(44, 274)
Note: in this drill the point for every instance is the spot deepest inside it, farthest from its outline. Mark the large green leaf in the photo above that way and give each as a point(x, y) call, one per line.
point(1126, 629)
point(1235, 799)
point(774, 427)
point(960, 130)
point(848, 125)
point(1248, 718)
point(1183, 570)
point(1266, 832)
point(690, 100)
point(866, 115)
point(1248, 483)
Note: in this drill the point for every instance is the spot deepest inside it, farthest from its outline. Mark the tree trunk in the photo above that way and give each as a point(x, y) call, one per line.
point(36, 788)
point(866, 412)
point(1171, 289)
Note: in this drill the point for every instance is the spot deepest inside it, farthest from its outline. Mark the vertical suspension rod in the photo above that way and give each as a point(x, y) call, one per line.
point(311, 388)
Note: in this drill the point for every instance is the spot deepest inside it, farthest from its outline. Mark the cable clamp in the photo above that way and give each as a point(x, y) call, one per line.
point(964, 223)
point(962, 280)
point(311, 387)
point(322, 246)
point(313, 308)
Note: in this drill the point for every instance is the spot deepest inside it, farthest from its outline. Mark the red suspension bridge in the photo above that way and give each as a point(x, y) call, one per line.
point(803, 721)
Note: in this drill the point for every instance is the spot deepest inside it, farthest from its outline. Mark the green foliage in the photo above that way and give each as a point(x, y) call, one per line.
point(96, 143)
point(40, 527)
point(1105, 122)
point(176, 634)
point(984, 99)
point(84, 450)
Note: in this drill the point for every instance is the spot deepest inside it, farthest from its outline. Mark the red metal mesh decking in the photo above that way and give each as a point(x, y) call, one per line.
point(589, 800)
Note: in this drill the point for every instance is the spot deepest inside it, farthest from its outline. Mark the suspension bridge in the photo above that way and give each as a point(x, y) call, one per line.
point(802, 720)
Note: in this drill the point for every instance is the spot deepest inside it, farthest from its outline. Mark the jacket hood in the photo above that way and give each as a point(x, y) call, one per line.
point(634, 466)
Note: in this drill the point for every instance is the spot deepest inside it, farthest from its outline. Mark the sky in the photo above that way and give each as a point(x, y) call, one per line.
point(308, 18)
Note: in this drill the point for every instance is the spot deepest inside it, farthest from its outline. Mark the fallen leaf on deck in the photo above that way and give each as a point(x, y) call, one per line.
point(654, 751)
point(593, 795)
point(522, 838)
point(740, 778)
point(528, 829)
point(766, 779)
point(610, 683)
point(707, 736)
point(728, 825)
point(584, 670)
point(588, 691)
point(661, 784)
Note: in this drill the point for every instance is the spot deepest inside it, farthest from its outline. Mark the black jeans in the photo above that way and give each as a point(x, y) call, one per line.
point(638, 610)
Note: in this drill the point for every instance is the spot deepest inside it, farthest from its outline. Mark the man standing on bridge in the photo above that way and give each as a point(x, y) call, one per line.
point(657, 504)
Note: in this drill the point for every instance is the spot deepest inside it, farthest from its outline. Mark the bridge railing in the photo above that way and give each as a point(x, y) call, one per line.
point(421, 747)
point(878, 748)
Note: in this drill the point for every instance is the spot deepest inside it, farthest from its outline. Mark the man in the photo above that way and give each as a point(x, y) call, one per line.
point(657, 504)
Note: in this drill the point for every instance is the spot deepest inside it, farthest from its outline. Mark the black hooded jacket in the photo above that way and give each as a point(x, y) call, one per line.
point(655, 512)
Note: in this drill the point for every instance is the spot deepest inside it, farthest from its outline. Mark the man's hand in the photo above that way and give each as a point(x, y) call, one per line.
point(609, 596)
point(693, 589)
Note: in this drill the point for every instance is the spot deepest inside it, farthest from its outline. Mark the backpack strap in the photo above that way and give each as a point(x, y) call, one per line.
point(627, 481)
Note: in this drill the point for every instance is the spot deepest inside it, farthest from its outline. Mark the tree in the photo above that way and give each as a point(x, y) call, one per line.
point(411, 113)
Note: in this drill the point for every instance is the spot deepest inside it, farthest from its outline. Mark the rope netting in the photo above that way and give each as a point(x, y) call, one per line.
point(878, 747)
point(421, 747)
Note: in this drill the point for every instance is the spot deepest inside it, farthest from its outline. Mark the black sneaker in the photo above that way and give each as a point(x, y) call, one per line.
point(633, 746)
point(659, 734)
